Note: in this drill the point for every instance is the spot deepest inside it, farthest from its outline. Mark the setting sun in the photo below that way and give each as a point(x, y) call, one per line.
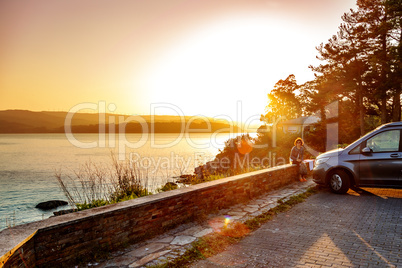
point(228, 60)
point(202, 57)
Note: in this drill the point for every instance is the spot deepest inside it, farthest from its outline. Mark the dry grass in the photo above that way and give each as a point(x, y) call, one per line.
point(96, 185)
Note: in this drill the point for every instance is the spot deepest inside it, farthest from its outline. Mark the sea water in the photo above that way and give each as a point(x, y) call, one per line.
point(29, 162)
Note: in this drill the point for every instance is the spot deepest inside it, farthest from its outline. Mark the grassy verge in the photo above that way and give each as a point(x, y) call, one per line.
point(214, 243)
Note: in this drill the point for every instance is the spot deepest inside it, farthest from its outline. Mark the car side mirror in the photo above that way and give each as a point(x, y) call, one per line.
point(366, 150)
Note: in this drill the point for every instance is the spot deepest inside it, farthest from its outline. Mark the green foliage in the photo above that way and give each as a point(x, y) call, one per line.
point(315, 140)
point(283, 99)
point(260, 153)
point(361, 70)
point(233, 153)
point(284, 142)
point(168, 187)
point(214, 177)
point(92, 204)
point(115, 198)
point(362, 63)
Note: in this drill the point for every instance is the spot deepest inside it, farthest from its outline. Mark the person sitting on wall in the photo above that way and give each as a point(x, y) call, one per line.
point(297, 157)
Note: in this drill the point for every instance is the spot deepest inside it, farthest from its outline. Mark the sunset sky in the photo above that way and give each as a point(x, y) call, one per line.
point(202, 57)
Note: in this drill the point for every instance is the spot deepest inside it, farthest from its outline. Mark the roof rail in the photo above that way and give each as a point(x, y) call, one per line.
point(393, 124)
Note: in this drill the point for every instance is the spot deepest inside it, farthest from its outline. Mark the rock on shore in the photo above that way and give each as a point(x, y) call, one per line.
point(51, 204)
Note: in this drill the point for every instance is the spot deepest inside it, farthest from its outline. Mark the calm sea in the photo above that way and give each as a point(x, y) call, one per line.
point(28, 163)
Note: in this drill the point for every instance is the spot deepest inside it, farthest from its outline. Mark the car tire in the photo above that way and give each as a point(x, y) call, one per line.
point(339, 182)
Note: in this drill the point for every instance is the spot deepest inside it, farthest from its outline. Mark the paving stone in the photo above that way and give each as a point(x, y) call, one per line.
point(277, 196)
point(257, 213)
point(167, 239)
point(182, 240)
point(250, 209)
point(204, 232)
point(118, 261)
point(237, 213)
point(148, 258)
point(237, 206)
point(264, 205)
point(257, 201)
point(147, 249)
point(217, 223)
point(223, 211)
point(191, 231)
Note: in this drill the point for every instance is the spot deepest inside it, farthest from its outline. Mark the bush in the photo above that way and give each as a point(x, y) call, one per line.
point(168, 187)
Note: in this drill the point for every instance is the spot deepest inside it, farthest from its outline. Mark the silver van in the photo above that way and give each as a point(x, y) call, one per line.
point(374, 160)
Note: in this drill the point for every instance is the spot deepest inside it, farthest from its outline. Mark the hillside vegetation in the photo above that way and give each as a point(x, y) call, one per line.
point(23, 121)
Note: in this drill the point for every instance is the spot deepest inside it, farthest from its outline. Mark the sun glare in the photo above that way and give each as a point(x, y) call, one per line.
point(224, 62)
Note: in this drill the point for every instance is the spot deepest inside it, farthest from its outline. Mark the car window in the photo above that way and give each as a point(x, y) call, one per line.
point(355, 150)
point(387, 141)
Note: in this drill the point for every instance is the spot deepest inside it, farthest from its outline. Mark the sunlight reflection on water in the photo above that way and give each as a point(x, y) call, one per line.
point(28, 163)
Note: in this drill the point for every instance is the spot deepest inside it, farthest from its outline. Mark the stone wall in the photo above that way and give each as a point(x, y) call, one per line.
point(68, 239)
point(22, 255)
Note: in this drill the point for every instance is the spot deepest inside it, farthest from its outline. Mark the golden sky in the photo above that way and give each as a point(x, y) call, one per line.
point(199, 57)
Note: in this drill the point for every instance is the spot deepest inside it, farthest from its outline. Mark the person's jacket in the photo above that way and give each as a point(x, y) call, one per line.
point(296, 153)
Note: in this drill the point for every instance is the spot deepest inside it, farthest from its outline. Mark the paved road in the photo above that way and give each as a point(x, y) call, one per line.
point(359, 229)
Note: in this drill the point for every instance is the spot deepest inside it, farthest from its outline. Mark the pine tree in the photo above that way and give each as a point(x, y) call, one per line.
point(365, 59)
point(283, 101)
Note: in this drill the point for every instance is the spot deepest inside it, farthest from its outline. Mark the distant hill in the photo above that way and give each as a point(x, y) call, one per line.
point(23, 121)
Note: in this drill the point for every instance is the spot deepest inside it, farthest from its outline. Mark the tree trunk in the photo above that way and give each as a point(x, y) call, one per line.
point(360, 107)
point(397, 97)
point(384, 110)
point(360, 101)
point(396, 113)
point(384, 71)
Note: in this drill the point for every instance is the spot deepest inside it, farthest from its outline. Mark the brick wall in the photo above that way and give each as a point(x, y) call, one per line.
point(69, 239)
point(22, 255)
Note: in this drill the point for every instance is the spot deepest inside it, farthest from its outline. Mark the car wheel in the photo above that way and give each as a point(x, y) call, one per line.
point(339, 182)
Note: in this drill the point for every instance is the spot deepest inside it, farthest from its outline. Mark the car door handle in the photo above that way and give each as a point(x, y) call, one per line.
point(394, 155)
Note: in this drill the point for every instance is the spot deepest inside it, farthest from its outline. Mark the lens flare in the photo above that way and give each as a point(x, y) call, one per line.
point(244, 146)
point(227, 220)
